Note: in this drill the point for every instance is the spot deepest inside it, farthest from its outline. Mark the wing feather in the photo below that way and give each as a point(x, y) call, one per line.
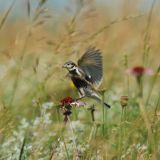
point(91, 64)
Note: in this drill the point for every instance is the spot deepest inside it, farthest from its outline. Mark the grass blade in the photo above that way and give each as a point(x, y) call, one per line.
point(28, 8)
point(112, 23)
point(22, 149)
point(147, 35)
point(4, 18)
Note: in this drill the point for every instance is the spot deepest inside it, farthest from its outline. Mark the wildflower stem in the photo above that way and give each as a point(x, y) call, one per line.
point(124, 133)
point(22, 149)
point(103, 115)
point(94, 125)
point(147, 123)
point(157, 104)
point(140, 85)
point(126, 81)
point(154, 127)
point(121, 134)
point(75, 113)
point(152, 85)
point(74, 138)
point(128, 85)
point(66, 150)
point(65, 146)
point(155, 111)
point(92, 109)
point(58, 114)
point(92, 132)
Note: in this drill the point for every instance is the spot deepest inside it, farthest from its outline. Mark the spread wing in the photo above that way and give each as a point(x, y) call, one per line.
point(91, 64)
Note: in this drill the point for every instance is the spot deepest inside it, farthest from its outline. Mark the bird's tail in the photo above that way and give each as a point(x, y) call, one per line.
point(107, 105)
point(96, 97)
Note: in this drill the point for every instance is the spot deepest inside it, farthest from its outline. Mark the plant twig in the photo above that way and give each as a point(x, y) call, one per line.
point(118, 20)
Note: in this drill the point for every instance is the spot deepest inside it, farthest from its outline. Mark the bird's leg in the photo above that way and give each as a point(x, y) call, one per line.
point(80, 98)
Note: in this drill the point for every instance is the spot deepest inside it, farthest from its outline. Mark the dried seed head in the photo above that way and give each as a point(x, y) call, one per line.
point(124, 101)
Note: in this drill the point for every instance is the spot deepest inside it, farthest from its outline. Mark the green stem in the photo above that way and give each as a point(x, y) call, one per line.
point(92, 132)
point(58, 113)
point(155, 128)
point(147, 123)
point(92, 109)
point(128, 85)
point(121, 134)
point(124, 132)
point(66, 150)
point(126, 81)
point(22, 149)
point(155, 110)
point(103, 115)
point(152, 85)
point(75, 115)
point(140, 86)
point(73, 134)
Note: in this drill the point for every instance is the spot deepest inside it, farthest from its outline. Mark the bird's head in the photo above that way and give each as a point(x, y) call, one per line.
point(69, 65)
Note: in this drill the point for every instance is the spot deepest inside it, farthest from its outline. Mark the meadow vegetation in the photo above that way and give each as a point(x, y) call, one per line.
point(34, 124)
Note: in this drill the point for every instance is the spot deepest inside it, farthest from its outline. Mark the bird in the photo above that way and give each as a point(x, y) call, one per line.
point(87, 74)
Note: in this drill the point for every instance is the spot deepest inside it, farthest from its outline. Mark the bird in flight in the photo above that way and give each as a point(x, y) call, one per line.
point(87, 74)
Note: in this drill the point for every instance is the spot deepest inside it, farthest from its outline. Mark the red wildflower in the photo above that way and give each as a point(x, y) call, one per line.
point(139, 71)
point(66, 105)
point(66, 101)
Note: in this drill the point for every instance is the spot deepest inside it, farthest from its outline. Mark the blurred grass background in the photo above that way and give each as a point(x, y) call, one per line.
point(37, 37)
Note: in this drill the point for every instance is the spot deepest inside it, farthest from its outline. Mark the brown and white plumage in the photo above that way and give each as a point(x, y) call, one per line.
point(87, 74)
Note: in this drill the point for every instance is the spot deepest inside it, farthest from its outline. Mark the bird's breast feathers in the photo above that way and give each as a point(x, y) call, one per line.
point(79, 82)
